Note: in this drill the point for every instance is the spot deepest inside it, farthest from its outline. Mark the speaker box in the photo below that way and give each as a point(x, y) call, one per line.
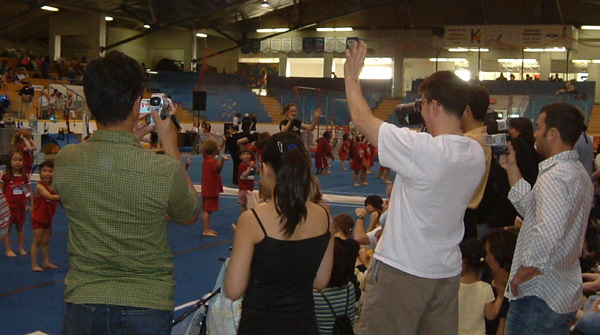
point(199, 103)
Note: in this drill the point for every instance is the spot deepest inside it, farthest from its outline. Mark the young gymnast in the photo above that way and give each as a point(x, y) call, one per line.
point(23, 141)
point(247, 175)
point(344, 151)
point(15, 186)
point(212, 184)
point(44, 206)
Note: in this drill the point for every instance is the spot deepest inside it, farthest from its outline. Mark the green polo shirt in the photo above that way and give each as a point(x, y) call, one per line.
point(117, 196)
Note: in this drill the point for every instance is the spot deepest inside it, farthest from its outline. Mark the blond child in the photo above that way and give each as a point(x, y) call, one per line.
point(45, 200)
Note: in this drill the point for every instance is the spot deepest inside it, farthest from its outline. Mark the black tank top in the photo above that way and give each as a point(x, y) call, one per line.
point(281, 283)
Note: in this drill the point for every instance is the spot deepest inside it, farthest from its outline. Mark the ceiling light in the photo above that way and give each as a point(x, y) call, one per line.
point(203, 35)
point(590, 27)
point(581, 61)
point(108, 18)
point(555, 49)
point(443, 60)
point(471, 49)
point(324, 29)
point(147, 26)
point(511, 60)
point(264, 4)
point(50, 9)
point(272, 30)
point(595, 61)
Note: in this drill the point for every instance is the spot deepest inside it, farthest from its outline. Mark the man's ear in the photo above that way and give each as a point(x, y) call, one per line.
point(553, 135)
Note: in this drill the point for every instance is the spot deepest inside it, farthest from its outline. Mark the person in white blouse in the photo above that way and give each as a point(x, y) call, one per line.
point(545, 285)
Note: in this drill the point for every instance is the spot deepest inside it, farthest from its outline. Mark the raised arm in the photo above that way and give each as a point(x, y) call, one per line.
point(316, 117)
point(360, 112)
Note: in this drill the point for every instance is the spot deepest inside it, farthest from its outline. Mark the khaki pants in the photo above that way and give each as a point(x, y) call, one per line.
point(396, 302)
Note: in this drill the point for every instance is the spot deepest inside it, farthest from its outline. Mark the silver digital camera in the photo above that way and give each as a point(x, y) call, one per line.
point(158, 102)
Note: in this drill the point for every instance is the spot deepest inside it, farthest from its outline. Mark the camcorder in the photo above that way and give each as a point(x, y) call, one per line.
point(161, 103)
point(410, 113)
point(499, 140)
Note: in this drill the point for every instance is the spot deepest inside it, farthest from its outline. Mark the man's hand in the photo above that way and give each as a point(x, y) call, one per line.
point(508, 161)
point(355, 60)
point(523, 274)
point(318, 113)
point(360, 211)
point(167, 133)
point(142, 129)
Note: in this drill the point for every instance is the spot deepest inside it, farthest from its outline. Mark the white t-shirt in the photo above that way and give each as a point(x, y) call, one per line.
point(472, 299)
point(435, 180)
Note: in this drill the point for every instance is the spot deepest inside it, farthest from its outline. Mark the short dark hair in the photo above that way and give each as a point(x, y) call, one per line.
point(567, 119)
point(448, 89)
point(375, 201)
point(479, 101)
point(502, 246)
point(209, 147)
point(525, 128)
point(112, 84)
point(46, 163)
point(344, 223)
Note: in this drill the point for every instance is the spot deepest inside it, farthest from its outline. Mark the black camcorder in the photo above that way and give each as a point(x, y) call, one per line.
point(498, 141)
point(410, 113)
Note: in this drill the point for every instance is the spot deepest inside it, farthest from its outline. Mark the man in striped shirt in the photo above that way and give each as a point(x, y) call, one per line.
point(545, 286)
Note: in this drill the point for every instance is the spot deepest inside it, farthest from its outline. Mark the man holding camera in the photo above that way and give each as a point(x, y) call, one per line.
point(413, 281)
point(117, 197)
point(545, 285)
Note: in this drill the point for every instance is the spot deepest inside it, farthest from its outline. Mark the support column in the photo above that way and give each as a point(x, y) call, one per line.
point(473, 58)
point(194, 50)
point(594, 71)
point(282, 64)
point(101, 36)
point(545, 66)
point(327, 64)
point(398, 80)
point(55, 47)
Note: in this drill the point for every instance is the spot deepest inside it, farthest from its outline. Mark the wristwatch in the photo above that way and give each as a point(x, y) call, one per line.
point(359, 217)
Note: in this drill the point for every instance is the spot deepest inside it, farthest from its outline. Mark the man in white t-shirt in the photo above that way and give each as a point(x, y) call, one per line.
point(413, 281)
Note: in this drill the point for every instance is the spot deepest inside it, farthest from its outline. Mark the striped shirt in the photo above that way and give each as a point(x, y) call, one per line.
point(337, 297)
point(117, 196)
point(551, 239)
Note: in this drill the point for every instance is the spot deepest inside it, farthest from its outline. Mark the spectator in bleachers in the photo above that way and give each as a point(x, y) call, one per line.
point(22, 75)
point(10, 76)
point(3, 67)
point(44, 103)
point(26, 94)
point(46, 67)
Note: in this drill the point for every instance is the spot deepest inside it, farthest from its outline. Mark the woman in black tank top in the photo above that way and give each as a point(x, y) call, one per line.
point(281, 249)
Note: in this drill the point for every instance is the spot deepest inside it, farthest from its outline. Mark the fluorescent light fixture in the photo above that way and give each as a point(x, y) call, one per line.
point(268, 60)
point(590, 27)
point(511, 60)
point(203, 35)
point(595, 61)
point(378, 61)
point(265, 4)
point(272, 30)
point(147, 26)
point(555, 49)
point(325, 29)
point(151, 72)
point(108, 18)
point(463, 74)
point(443, 60)
point(467, 50)
point(50, 8)
point(581, 61)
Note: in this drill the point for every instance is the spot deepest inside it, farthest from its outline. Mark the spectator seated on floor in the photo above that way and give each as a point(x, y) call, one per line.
point(589, 321)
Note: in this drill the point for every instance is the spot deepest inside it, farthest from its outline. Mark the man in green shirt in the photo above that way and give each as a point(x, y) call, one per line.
point(117, 197)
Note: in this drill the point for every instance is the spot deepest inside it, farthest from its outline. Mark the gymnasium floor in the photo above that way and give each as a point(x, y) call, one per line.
point(31, 303)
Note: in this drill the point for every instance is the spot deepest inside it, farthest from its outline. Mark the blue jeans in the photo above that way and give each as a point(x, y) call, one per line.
point(589, 324)
point(95, 319)
point(530, 315)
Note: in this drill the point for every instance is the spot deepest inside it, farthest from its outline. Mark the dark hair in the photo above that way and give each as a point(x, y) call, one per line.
point(245, 150)
point(346, 137)
point(567, 119)
point(112, 84)
point(8, 169)
point(287, 107)
point(448, 89)
point(46, 163)
point(502, 246)
point(261, 140)
point(473, 253)
point(344, 223)
point(375, 201)
point(287, 156)
point(525, 128)
point(479, 101)
point(209, 147)
point(327, 135)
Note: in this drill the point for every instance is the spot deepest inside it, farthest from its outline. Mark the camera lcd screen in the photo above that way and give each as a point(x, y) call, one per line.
point(145, 106)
